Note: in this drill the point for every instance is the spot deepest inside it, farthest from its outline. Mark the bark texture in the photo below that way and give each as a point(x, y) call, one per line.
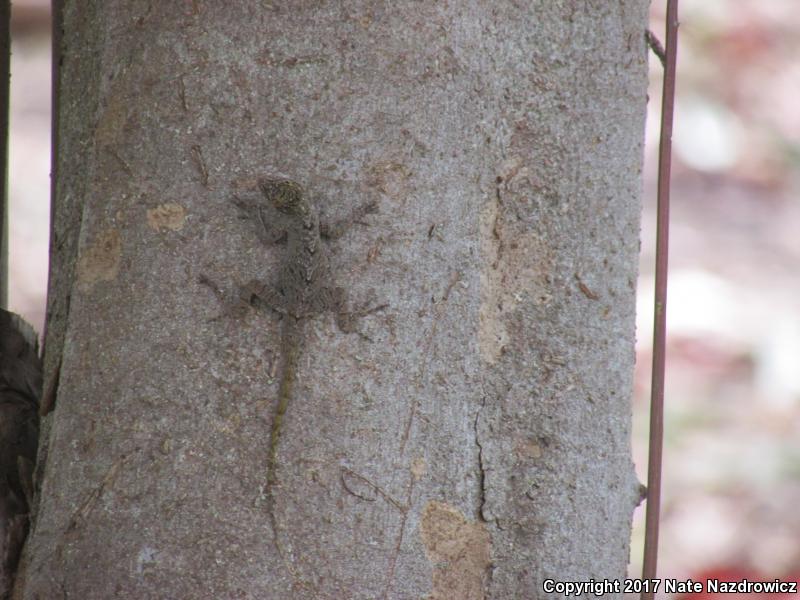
point(475, 439)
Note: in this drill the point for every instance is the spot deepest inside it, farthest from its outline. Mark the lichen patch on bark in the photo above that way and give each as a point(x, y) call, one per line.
point(390, 177)
point(459, 551)
point(99, 261)
point(170, 216)
point(510, 272)
point(418, 468)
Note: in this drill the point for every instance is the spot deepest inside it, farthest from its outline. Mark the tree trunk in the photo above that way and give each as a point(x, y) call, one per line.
point(473, 441)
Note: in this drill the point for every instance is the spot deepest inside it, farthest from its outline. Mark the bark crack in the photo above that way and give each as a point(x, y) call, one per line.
point(481, 465)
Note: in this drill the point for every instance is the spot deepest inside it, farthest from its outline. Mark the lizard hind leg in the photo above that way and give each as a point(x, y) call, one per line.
point(235, 308)
point(346, 319)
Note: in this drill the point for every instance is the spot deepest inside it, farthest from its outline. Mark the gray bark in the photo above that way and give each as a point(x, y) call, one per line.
point(475, 440)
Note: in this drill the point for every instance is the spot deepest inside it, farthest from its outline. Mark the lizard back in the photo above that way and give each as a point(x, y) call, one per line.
point(306, 268)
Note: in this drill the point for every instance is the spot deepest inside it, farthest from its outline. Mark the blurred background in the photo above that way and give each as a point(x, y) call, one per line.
point(731, 498)
point(732, 450)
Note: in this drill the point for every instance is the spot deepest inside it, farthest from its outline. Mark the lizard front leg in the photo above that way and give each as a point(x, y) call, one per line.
point(333, 230)
point(268, 234)
point(258, 293)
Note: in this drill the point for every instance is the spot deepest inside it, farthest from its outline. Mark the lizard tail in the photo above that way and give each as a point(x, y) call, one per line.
point(291, 354)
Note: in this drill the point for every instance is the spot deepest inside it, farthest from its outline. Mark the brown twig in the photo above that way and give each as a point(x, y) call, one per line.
point(5, 83)
point(200, 163)
point(655, 45)
point(660, 309)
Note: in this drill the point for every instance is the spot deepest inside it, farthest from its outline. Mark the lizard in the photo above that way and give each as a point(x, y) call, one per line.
point(304, 289)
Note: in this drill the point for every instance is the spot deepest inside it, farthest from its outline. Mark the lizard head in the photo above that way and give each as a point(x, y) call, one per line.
point(285, 195)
